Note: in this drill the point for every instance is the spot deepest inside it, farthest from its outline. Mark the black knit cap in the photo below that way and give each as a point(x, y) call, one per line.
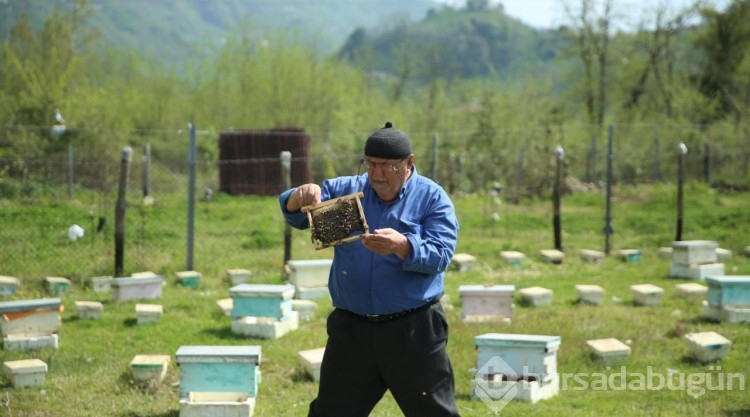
point(388, 143)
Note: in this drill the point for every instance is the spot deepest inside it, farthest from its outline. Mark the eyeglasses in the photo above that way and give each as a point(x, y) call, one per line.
point(382, 165)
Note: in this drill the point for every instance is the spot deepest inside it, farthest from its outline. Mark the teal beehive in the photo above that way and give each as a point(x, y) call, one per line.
point(726, 290)
point(262, 300)
point(219, 369)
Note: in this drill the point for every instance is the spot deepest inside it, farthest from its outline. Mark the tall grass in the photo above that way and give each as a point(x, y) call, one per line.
point(89, 374)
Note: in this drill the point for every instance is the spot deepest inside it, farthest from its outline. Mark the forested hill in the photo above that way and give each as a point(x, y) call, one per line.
point(175, 29)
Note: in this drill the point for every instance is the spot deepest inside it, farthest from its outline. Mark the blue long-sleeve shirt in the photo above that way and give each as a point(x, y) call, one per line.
point(364, 282)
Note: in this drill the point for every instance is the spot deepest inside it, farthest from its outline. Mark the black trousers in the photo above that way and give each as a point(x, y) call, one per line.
point(406, 355)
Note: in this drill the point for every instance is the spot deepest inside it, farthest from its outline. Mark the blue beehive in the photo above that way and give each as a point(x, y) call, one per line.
point(728, 290)
point(221, 369)
point(524, 354)
point(262, 300)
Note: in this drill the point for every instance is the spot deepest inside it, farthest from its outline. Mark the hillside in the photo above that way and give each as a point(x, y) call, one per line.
point(175, 29)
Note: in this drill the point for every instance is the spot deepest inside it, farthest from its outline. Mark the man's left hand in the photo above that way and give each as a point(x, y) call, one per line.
point(386, 242)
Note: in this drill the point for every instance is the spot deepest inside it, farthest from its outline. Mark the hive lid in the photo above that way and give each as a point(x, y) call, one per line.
point(309, 262)
point(517, 340)
point(125, 281)
point(285, 291)
point(8, 280)
point(483, 289)
point(25, 366)
point(219, 354)
point(26, 305)
point(694, 243)
point(728, 279)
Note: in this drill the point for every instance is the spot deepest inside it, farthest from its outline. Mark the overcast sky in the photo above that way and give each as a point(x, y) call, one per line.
point(550, 13)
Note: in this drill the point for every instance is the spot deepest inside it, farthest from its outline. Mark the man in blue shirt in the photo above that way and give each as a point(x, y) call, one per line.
point(388, 330)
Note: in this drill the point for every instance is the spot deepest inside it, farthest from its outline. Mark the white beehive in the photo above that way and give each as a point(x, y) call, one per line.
point(238, 276)
point(552, 256)
point(311, 360)
point(513, 258)
point(535, 296)
point(147, 313)
point(486, 303)
point(691, 289)
point(646, 294)
point(31, 317)
point(101, 284)
point(145, 368)
point(189, 279)
point(695, 271)
point(591, 294)
point(688, 252)
point(89, 309)
point(591, 256)
point(26, 372)
point(463, 261)
point(609, 350)
point(707, 346)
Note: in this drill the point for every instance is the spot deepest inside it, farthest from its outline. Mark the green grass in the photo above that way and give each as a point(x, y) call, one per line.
point(89, 373)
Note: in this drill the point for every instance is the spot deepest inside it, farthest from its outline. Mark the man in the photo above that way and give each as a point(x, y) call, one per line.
point(388, 330)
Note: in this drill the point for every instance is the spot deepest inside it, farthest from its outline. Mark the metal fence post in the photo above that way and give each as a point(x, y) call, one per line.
point(286, 168)
point(191, 199)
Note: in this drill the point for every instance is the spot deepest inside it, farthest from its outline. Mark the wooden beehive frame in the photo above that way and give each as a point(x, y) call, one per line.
point(316, 210)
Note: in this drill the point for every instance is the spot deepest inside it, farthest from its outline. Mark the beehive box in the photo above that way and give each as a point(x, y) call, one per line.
point(30, 342)
point(707, 346)
point(723, 254)
point(513, 258)
point(518, 356)
point(57, 285)
point(26, 372)
point(688, 252)
point(101, 284)
point(147, 313)
point(31, 317)
point(144, 287)
point(535, 296)
point(482, 303)
point(552, 256)
point(309, 273)
point(735, 314)
point(89, 309)
point(8, 286)
point(591, 256)
point(463, 261)
point(311, 360)
point(217, 404)
point(695, 271)
point(591, 294)
point(238, 276)
point(609, 350)
point(691, 289)
point(189, 279)
point(630, 255)
point(337, 221)
point(646, 294)
point(728, 290)
point(265, 327)
point(217, 369)
point(146, 368)
point(262, 300)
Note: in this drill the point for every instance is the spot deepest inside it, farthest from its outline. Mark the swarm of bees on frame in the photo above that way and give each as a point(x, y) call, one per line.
point(334, 222)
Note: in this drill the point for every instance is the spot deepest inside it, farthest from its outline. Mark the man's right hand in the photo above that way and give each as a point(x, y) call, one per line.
point(304, 195)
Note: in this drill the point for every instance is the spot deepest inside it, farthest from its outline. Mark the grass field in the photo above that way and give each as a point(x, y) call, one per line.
point(89, 374)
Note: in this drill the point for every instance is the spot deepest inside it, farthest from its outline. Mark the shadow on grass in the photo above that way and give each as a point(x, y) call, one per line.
point(172, 413)
point(737, 413)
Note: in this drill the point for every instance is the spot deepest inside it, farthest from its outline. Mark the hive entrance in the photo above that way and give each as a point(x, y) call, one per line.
point(337, 221)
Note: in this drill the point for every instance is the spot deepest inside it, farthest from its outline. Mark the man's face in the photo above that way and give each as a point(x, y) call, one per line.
point(387, 176)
